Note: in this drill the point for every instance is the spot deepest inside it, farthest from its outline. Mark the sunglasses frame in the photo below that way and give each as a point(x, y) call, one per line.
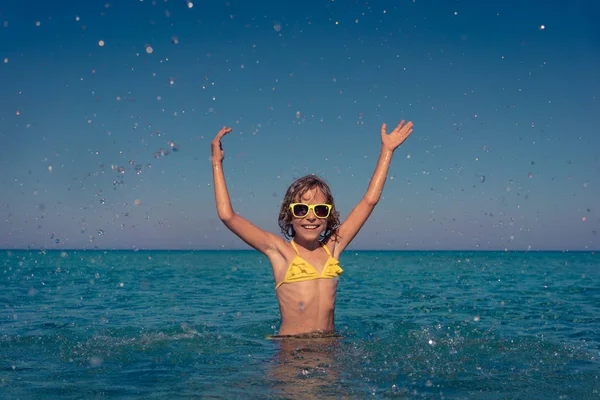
point(311, 207)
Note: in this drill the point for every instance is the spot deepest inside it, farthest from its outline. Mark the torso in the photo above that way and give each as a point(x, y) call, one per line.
point(305, 306)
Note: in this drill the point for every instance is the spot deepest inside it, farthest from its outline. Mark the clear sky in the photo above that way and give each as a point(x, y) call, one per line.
point(107, 109)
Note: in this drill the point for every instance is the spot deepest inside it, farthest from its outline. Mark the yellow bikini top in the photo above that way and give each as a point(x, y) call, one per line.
point(300, 270)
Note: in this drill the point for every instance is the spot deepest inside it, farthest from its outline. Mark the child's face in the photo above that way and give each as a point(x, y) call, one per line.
point(310, 227)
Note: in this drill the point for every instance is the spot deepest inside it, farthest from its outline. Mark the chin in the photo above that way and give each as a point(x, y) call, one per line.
point(303, 233)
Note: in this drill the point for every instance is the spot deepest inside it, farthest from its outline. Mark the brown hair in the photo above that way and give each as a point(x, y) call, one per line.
point(296, 191)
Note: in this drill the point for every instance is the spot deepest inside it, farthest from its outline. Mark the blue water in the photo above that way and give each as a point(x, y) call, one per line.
point(454, 325)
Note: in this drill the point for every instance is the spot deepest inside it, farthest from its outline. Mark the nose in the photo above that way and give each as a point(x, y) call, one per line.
point(311, 215)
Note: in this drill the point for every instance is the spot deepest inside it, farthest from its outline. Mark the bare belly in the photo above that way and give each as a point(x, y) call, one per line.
point(307, 306)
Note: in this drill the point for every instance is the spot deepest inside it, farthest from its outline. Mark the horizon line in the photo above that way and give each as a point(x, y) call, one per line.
point(346, 250)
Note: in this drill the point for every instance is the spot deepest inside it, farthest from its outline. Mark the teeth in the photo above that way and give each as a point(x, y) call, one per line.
point(310, 226)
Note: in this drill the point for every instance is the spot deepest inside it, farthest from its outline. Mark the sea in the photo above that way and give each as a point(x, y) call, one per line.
point(197, 325)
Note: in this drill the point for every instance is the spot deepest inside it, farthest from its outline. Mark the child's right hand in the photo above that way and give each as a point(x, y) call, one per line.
point(216, 147)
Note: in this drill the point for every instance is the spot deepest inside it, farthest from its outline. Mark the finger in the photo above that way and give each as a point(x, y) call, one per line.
point(224, 131)
point(399, 126)
point(383, 130)
point(405, 128)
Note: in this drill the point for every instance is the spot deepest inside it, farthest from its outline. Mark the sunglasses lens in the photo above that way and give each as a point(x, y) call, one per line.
point(300, 210)
point(321, 211)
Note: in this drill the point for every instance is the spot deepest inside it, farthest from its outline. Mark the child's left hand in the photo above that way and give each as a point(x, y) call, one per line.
point(397, 136)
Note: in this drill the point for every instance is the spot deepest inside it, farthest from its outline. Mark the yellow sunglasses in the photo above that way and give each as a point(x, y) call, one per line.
point(301, 210)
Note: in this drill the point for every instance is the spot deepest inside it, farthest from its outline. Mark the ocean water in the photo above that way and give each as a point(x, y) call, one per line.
point(155, 324)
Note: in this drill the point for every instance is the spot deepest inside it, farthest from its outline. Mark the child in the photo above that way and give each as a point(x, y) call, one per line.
point(306, 268)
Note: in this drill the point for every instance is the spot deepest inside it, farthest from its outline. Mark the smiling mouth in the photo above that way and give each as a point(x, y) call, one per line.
point(310, 227)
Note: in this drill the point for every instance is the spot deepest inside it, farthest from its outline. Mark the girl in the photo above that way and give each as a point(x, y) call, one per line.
point(306, 268)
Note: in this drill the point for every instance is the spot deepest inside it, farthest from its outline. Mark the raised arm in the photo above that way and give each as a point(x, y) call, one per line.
point(262, 241)
point(359, 215)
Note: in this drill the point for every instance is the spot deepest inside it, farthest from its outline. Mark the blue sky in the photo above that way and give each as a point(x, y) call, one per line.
point(504, 96)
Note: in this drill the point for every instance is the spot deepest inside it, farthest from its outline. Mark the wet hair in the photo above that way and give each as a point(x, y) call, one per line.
point(295, 192)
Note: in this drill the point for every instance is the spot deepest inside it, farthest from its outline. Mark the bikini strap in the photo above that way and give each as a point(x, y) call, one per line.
point(326, 249)
point(294, 246)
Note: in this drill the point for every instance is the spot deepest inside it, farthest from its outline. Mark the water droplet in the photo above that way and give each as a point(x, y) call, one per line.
point(96, 361)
